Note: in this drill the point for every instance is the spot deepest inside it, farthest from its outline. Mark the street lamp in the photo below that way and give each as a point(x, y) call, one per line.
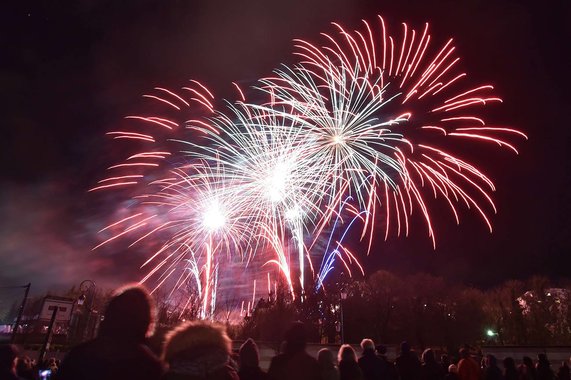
point(87, 293)
point(343, 295)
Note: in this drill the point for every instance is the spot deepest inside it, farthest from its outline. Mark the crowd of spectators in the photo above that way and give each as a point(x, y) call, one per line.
point(202, 350)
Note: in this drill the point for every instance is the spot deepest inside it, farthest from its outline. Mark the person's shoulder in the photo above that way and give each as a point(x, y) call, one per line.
point(279, 358)
point(144, 354)
point(277, 362)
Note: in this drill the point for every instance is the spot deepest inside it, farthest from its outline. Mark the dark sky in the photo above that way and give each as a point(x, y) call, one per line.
point(71, 69)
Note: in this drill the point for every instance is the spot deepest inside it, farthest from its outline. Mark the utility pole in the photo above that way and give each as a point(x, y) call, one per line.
point(46, 345)
point(20, 312)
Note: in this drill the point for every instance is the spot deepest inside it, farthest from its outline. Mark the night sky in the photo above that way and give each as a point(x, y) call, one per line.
point(71, 70)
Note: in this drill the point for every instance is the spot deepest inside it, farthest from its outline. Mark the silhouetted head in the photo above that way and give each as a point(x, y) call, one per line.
point(295, 338)
point(453, 368)
point(404, 347)
point(428, 356)
point(464, 353)
point(381, 350)
point(509, 362)
point(249, 356)
point(491, 361)
point(444, 359)
point(326, 358)
point(191, 339)
point(347, 353)
point(542, 359)
point(367, 345)
point(129, 315)
point(24, 363)
point(527, 361)
point(8, 355)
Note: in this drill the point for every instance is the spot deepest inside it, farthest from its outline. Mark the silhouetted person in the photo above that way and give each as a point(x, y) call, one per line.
point(526, 370)
point(407, 363)
point(491, 369)
point(563, 373)
point(348, 367)
point(452, 373)
point(198, 350)
point(543, 368)
point(468, 369)
point(444, 363)
point(8, 356)
point(390, 370)
point(24, 368)
point(327, 367)
point(510, 370)
point(430, 368)
point(119, 351)
point(294, 363)
point(371, 365)
point(249, 362)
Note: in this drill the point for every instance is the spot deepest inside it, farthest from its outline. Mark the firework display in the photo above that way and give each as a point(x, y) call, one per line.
point(359, 134)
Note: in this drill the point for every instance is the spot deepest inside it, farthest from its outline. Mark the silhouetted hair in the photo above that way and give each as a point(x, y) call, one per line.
point(295, 337)
point(428, 356)
point(491, 361)
point(367, 344)
point(325, 358)
point(381, 349)
point(509, 362)
point(129, 314)
point(527, 361)
point(346, 352)
point(464, 353)
point(542, 358)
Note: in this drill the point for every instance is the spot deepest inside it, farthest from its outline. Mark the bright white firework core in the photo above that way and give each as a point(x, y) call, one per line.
point(338, 139)
point(214, 218)
point(293, 214)
point(275, 183)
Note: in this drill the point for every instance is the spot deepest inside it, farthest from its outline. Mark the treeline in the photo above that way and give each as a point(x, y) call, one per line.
point(425, 310)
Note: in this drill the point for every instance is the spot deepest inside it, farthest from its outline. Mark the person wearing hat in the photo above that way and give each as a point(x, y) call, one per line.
point(198, 350)
point(295, 363)
point(407, 363)
point(250, 362)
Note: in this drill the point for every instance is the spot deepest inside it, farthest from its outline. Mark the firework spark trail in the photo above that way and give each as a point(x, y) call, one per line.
point(329, 256)
point(198, 222)
point(348, 98)
point(347, 133)
point(274, 184)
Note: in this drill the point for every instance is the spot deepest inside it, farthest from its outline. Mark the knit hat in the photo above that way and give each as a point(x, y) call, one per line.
point(191, 337)
point(249, 356)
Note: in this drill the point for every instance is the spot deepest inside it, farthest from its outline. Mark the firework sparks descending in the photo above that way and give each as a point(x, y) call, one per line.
point(360, 132)
point(365, 108)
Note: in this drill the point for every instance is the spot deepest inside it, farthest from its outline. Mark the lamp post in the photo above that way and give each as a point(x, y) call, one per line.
point(343, 295)
point(87, 293)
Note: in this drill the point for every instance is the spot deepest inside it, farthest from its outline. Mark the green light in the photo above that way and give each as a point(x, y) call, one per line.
point(490, 332)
